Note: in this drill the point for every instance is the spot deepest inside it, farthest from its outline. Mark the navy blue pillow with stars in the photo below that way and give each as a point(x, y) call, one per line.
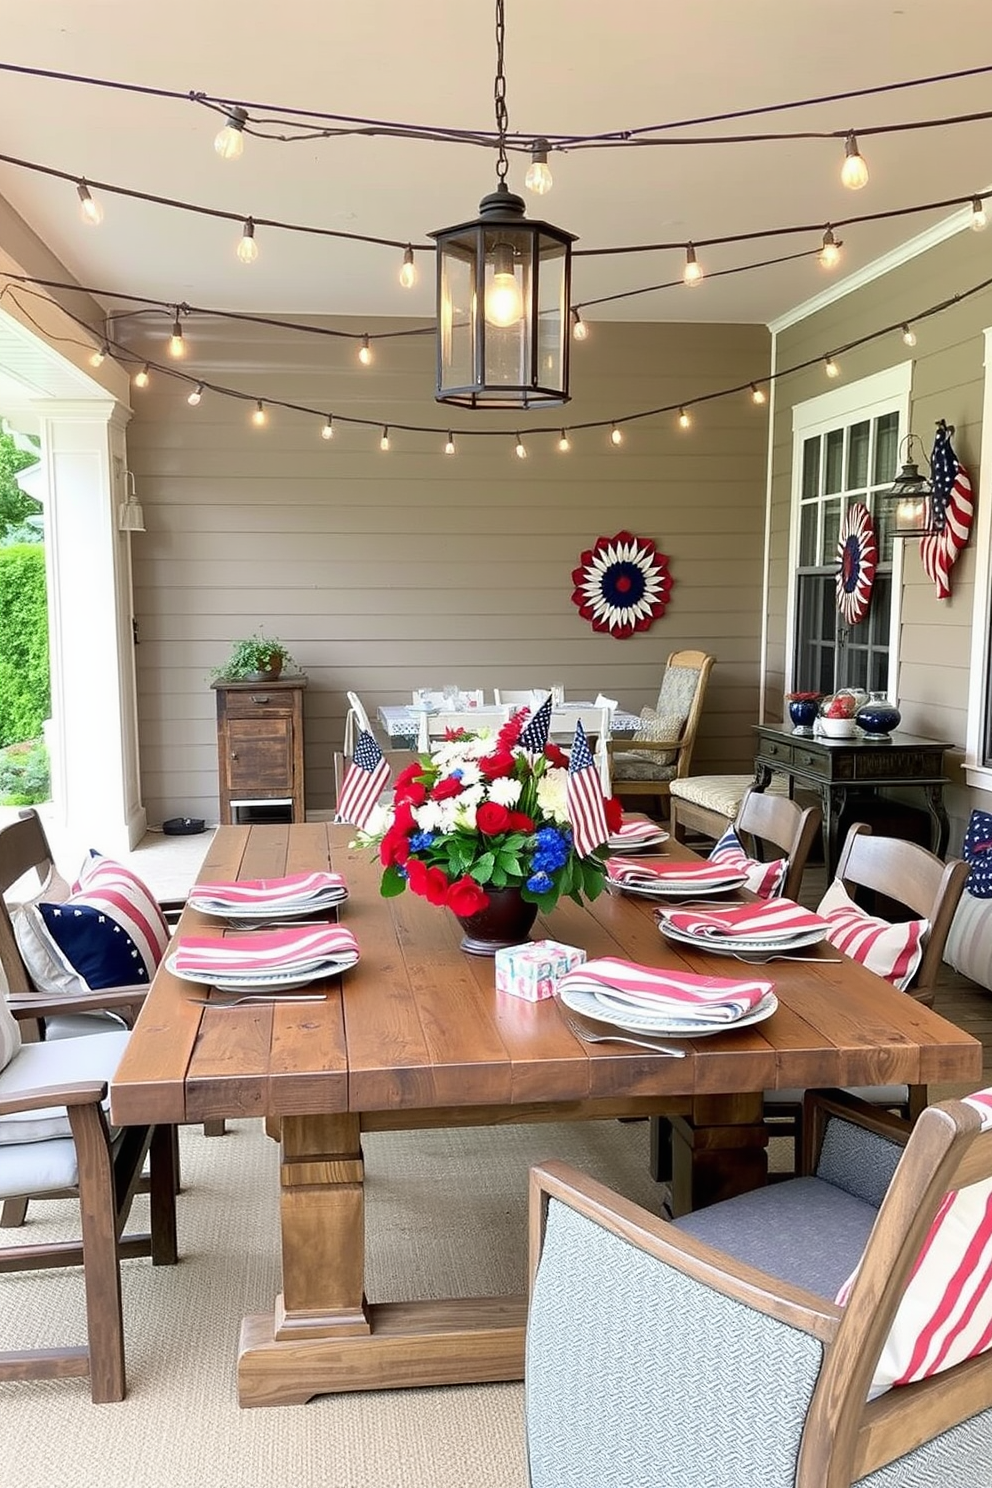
point(977, 853)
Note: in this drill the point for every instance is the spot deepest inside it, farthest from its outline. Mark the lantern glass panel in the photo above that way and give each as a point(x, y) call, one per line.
point(552, 315)
point(456, 320)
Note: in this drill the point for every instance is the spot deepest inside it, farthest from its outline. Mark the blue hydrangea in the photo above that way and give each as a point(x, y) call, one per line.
point(539, 883)
point(420, 841)
point(552, 850)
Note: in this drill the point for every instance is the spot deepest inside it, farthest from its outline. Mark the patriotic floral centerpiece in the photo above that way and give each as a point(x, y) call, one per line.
point(490, 813)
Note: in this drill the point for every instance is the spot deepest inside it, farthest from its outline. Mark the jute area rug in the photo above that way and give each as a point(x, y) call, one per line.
point(446, 1217)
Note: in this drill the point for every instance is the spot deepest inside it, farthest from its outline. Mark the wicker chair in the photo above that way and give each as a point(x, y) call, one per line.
point(643, 768)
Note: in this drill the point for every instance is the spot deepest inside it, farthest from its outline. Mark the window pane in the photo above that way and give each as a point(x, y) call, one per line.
point(881, 510)
point(857, 456)
point(831, 531)
point(811, 468)
point(835, 461)
point(886, 447)
point(807, 535)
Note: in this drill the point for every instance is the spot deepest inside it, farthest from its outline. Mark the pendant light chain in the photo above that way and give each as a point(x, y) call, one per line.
point(502, 118)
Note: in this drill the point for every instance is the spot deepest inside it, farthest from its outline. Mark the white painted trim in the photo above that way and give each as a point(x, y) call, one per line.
point(931, 237)
point(976, 773)
point(766, 558)
point(841, 404)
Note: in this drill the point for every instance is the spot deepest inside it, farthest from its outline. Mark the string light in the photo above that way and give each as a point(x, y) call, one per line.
point(539, 178)
point(693, 272)
point(230, 142)
point(100, 356)
point(854, 172)
point(327, 430)
point(384, 439)
point(758, 394)
point(177, 344)
point(247, 249)
point(580, 331)
point(830, 367)
point(564, 443)
point(521, 453)
point(408, 273)
point(615, 435)
point(829, 256)
point(685, 422)
point(259, 418)
point(909, 335)
point(978, 217)
point(195, 395)
point(365, 352)
point(142, 378)
point(449, 447)
point(89, 210)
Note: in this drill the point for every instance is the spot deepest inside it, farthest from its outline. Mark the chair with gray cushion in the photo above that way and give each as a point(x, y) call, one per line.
point(643, 768)
point(710, 1352)
point(707, 804)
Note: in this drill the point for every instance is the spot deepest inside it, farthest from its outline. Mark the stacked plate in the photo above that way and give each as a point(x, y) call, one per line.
point(637, 835)
point(672, 880)
point(258, 900)
point(644, 999)
point(277, 960)
point(769, 925)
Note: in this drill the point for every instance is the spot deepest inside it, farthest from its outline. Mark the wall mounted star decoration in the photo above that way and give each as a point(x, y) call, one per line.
point(622, 584)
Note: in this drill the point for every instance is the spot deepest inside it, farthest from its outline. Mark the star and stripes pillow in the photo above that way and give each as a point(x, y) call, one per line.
point(763, 879)
point(977, 853)
point(892, 951)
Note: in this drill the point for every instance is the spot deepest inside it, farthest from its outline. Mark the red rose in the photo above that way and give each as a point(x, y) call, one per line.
point(430, 883)
point(466, 897)
point(492, 819)
point(414, 794)
point(556, 755)
point(499, 763)
point(408, 775)
point(450, 786)
point(519, 822)
point(394, 847)
point(403, 817)
point(512, 729)
point(614, 813)
point(451, 735)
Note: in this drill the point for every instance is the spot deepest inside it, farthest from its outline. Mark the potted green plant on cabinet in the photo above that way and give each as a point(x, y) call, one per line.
point(258, 658)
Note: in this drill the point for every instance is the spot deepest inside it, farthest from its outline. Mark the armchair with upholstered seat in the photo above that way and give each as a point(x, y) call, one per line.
point(712, 1351)
point(643, 768)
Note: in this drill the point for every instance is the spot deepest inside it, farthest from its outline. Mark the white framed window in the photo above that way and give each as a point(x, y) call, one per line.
point(978, 748)
point(845, 450)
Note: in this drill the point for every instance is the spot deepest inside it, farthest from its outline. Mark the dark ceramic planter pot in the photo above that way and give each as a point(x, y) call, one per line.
point(506, 921)
point(877, 718)
point(802, 712)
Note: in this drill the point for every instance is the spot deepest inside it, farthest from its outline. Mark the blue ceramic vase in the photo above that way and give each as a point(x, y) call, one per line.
point(878, 717)
point(802, 712)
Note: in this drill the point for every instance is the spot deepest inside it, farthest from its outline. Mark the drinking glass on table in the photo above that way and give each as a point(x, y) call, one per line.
point(557, 694)
point(452, 695)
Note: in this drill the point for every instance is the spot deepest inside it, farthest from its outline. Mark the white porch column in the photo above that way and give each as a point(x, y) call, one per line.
point(95, 784)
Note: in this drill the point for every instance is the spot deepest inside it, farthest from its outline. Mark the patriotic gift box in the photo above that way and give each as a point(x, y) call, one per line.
point(533, 971)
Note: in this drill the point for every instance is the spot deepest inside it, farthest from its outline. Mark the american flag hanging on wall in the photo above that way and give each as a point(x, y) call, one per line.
point(951, 507)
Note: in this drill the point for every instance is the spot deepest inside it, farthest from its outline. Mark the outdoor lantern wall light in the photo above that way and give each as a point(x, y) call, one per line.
point(909, 495)
point(503, 287)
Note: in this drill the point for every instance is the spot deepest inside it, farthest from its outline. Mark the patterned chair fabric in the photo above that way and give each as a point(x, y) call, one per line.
point(650, 770)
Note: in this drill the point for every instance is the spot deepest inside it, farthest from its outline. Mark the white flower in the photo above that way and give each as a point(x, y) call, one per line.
point(428, 817)
point(505, 791)
point(552, 796)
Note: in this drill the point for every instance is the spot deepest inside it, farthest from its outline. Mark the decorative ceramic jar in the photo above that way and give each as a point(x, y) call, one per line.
point(802, 712)
point(878, 717)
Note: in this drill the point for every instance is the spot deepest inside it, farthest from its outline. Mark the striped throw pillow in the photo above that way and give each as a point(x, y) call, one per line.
point(892, 951)
point(763, 879)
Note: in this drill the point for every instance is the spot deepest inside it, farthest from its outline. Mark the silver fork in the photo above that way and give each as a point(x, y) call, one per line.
point(762, 960)
point(223, 1000)
point(619, 1038)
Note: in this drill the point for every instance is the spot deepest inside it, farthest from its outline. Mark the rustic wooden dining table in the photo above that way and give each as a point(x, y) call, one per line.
point(415, 1036)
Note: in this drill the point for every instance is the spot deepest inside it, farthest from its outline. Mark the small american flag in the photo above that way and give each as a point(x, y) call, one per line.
point(534, 736)
point(952, 508)
point(364, 783)
point(586, 807)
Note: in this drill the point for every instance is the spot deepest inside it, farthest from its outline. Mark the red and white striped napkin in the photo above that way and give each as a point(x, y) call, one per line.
point(265, 953)
point(625, 984)
point(691, 875)
point(771, 919)
point(297, 892)
point(629, 833)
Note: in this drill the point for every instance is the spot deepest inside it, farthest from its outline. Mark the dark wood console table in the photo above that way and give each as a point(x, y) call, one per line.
point(839, 770)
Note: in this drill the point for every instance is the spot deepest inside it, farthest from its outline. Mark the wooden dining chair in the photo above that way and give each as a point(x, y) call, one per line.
point(642, 768)
point(774, 821)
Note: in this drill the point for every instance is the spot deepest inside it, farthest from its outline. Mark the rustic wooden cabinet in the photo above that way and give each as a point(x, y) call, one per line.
point(260, 746)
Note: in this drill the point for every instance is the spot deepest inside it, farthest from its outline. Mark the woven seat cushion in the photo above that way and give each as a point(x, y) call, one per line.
point(722, 793)
point(636, 767)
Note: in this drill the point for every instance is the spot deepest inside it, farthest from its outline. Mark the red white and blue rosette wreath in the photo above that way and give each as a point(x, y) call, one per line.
point(857, 555)
point(622, 584)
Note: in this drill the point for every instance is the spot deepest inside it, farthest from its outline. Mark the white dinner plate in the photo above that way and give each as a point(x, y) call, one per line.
point(271, 981)
point(725, 945)
point(589, 1006)
point(636, 845)
point(260, 914)
point(669, 888)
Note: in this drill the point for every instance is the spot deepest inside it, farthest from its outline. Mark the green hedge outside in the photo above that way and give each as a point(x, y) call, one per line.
point(25, 690)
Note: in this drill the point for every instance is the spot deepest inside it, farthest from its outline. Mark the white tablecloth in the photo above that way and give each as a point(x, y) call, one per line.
point(402, 721)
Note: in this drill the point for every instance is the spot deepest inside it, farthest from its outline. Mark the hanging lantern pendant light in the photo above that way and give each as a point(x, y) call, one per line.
point(503, 295)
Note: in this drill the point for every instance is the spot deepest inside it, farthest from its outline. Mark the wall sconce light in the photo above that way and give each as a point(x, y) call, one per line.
point(909, 498)
point(130, 517)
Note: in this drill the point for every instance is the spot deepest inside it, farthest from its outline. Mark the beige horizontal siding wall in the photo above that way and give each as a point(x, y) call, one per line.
point(947, 382)
point(382, 572)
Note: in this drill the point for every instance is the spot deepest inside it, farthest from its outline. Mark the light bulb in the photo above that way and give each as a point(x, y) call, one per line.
point(365, 353)
point(615, 436)
point(685, 422)
point(327, 432)
point(692, 273)
point(539, 178)
point(195, 395)
point(89, 210)
point(830, 250)
point(978, 217)
point(830, 367)
point(504, 302)
point(141, 379)
point(408, 273)
point(177, 346)
point(564, 444)
point(757, 394)
point(449, 448)
point(520, 452)
point(909, 335)
point(580, 330)
point(247, 249)
point(384, 441)
point(100, 356)
point(230, 142)
point(259, 417)
point(854, 172)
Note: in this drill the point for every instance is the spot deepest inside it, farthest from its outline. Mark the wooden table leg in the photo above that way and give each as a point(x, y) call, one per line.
point(719, 1151)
